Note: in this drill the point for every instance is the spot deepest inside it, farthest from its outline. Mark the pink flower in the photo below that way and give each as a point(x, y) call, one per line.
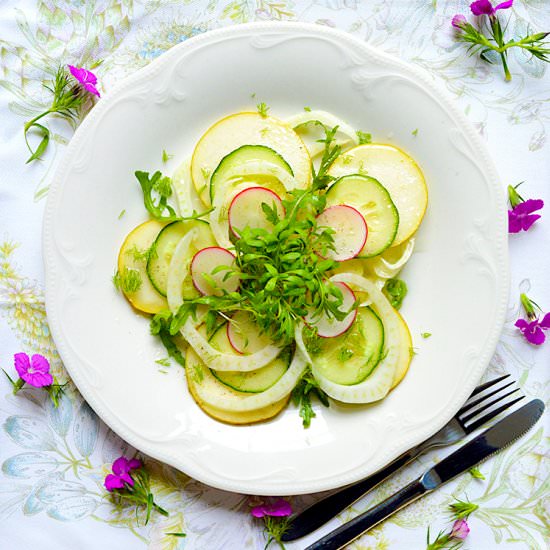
point(532, 330)
point(279, 508)
point(34, 371)
point(458, 21)
point(87, 79)
point(521, 216)
point(484, 7)
point(460, 529)
point(121, 473)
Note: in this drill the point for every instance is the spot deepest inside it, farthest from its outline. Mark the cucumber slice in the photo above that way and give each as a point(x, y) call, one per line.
point(398, 173)
point(240, 129)
point(132, 255)
point(206, 388)
point(378, 383)
point(372, 200)
point(165, 246)
point(254, 381)
point(242, 155)
point(348, 359)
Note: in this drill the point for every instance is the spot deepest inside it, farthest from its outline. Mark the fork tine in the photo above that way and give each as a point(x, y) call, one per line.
point(471, 404)
point(486, 406)
point(470, 428)
point(486, 385)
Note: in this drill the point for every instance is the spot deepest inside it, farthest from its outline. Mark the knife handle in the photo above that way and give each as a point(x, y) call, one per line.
point(357, 526)
point(324, 510)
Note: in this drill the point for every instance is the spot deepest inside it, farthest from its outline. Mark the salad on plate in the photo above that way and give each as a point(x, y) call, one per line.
point(269, 264)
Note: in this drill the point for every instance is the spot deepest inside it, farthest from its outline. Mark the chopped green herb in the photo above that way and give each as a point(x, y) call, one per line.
point(415, 132)
point(157, 189)
point(129, 281)
point(253, 95)
point(263, 109)
point(311, 340)
point(122, 212)
point(345, 354)
point(413, 351)
point(307, 109)
point(137, 254)
point(160, 326)
point(165, 362)
point(283, 274)
point(475, 472)
point(176, 534)
point(363, 137)
point(301, 396)
point(165, 156)
point(426, 334)
point(347, 159)
point(264, 132)
point(395, 290)
point(205, 172)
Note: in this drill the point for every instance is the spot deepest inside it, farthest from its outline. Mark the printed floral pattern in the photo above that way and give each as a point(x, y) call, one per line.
point(54, 460)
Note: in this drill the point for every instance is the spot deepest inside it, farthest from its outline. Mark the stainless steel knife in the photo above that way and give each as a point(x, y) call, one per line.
point(491, 441)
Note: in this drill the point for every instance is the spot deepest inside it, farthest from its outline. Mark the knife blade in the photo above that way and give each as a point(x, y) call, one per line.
point(491, 441)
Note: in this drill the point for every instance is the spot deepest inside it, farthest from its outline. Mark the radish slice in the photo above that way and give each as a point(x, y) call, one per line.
point(205, 261)
point(329, 327)
point(350, 231)
point(244, 335)
point(246, 209)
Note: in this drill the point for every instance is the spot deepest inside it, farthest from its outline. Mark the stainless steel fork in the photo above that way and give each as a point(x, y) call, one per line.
point(485, 402)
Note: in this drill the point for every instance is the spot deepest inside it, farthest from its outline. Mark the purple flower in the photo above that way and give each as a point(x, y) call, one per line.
point(87, 79)
point(521, 216)
point(460, 529)
point(532, 330)
point(458, 21)
point(280, 508)
point(34, 371)
point(121, 473)
point(484, 7)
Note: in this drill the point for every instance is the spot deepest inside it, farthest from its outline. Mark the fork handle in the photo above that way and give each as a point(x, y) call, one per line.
point(322, 511)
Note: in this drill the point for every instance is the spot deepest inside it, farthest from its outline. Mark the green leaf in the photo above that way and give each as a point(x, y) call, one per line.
point(43, 143)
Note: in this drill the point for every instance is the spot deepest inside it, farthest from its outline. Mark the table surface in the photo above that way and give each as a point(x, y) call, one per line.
point(54, 460)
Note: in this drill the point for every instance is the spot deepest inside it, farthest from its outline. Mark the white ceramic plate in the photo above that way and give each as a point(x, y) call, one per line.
point(458, 276)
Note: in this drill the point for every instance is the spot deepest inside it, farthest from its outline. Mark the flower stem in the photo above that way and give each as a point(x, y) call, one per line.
point(507, 75)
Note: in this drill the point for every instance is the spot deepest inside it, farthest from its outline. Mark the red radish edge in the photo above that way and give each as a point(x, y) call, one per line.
point(201, 251)
point(349, 322)
point(228, 331)
point(358, 215)
point(247, 190)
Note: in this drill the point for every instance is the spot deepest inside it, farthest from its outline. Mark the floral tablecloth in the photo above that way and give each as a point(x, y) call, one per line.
point(53, 460)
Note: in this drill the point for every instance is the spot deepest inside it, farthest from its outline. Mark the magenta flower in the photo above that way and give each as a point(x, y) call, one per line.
point(280, 508)
point(460, 529)
point(533, 331)
point(521, 216)
point(34, 371)
point(121, 473)
point(458, 21)
point(87, 79)
point(484, 7)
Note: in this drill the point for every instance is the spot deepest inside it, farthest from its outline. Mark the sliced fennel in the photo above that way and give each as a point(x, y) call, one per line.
point(211, 391)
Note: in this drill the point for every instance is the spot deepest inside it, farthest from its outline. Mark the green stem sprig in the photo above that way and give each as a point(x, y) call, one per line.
point(496, 41)
point(68, 99)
